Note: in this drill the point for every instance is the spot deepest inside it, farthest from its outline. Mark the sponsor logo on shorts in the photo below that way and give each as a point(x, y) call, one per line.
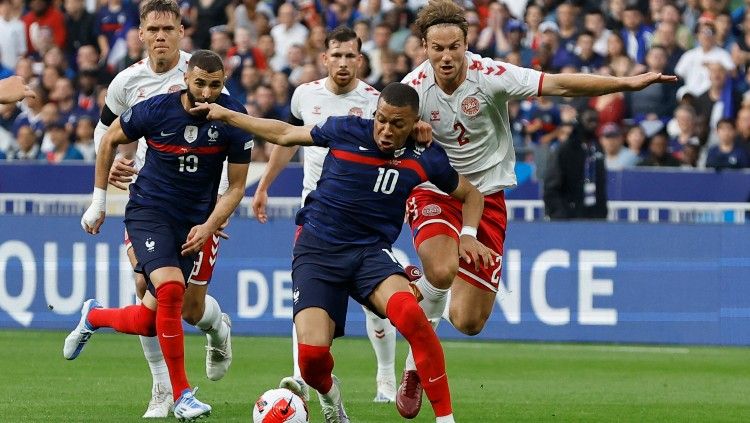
point(470, 106)
point(431, 210)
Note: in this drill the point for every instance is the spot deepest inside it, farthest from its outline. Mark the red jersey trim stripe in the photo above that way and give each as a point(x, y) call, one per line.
point(539, 90)
point(177, 149)
point(374, 161)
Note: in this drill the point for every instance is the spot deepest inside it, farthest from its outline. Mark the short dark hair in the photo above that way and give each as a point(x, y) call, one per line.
point(725, 121)
point(441, 12)
point(159, 6)
point(342, 34)
point(400, 95)
point(206, 60)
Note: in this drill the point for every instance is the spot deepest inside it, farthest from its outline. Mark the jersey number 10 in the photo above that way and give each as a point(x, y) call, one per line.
point(386, 181)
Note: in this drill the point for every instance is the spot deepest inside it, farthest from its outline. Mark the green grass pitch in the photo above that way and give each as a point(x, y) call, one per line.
point(490, 382)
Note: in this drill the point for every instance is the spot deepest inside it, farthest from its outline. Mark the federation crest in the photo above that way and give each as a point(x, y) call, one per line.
point(191, 133)
point(356, 111)
point(174, 89)
point(213, 134)
point(470, 106)
point(431, 210)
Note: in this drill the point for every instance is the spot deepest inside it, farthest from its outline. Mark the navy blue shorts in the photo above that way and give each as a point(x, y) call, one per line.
point(157, 241)
point(325, 275)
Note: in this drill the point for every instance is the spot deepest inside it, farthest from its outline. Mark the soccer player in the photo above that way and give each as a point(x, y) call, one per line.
point(172, 212)
point(348, 226)
point(13, 89)
point(161, 72)
point(341, 93)
point(464, 97)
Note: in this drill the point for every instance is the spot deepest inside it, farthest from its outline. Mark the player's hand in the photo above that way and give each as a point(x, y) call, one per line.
point(121, 173)
point(260, 199)
point(198, 236)
point(212, 111)
point(93, 219)
point(473, 251)
point(639, 82)
point(422, 133)
point(14, 89)
point(220, 232)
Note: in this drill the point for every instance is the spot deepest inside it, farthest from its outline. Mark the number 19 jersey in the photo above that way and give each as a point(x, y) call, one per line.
point(472, 123)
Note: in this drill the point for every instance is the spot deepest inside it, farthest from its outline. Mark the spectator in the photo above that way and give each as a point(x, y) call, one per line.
point(207, 14)
point(362, 29)
point(86, 100)
point(492, 40)
point(683, 130)
point(80, 24)
point(13, 40)
point(636, 34)
point(44, 15)
point(717, 102)
point(264, 98)
point(691, 154)
point(62, 149)
point(381, 38)
point(682, 34)
point(614, 10)
point(615, 47)
point(282, 92)
point(635, 141)
point(586, 59)
point(533, 18)
point(24, 69)
point(691, 67)
point(388, 68)
point(134, 50)
point(221, 42)
point(567, 15)
point(724, 36)
point(64, 95)
point(28, 147)
point(287, 32)
point(84, 138)
point(656, 101)
point(575, 184)
point(246, 16)
point(295, 59)
point(610, 107)
point(743, 127)
point(341, 12)
point(727, 154)
point(315, 44)
point(550, 41)
point(665, 37)
point(594, 23)
point(616, 155)
point(658, 152)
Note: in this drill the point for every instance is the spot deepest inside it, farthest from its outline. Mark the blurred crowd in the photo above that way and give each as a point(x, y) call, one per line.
point(69, 50)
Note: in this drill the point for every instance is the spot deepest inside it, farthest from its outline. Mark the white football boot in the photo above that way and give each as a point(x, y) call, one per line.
point(188, 408)
point(386, 389)
point(161, 402)
point(296, 385)
point(332, 406)
point(77, 339)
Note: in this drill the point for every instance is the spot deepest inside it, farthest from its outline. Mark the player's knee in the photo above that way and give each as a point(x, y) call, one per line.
point(469, 324)
point(140, 285)
point(441, 274)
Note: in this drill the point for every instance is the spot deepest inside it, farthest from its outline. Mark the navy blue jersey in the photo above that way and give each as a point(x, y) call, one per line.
point(185, 153)
point(361, 195)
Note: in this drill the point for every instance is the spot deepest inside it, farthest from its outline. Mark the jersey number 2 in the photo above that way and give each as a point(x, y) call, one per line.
point(462, 138)
point(386, 181)
point(188, 163)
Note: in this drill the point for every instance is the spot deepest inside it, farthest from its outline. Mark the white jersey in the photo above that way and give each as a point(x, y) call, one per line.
point(313, 103)
point(139, 82)
point(472, 123)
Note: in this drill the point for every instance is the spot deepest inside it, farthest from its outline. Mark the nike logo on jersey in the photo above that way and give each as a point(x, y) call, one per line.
point(164, 134)
point(432, 380)
point(363, 148)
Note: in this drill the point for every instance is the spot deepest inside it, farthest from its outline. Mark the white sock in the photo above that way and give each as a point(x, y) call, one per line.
point(385, 345)
point(333, 396)
point(433, 303)
point(295, 353)
point(156, 363)
point(447, 309)
point(211, 324)
point(445, 419)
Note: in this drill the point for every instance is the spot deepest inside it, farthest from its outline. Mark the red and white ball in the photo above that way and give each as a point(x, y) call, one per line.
point(280, 406)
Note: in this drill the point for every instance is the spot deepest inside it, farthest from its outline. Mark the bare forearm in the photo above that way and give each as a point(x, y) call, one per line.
point(225, 206)
point(583, 85)
point(271, 130)
point(472, 208)
point(104, 159)
point(280, 157)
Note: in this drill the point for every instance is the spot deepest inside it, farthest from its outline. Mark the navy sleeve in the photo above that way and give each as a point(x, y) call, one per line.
point(136, 121)
point(439, 169)
point(325, 133)
point(240, 142)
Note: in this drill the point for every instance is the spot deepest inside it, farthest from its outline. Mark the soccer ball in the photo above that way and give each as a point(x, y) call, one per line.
point(280, 406)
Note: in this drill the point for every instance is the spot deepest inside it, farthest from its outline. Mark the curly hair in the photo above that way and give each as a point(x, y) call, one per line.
point(441, 12)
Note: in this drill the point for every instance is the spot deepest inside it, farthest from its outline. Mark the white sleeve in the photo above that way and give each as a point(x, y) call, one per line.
point(294, 107)
point(511, 80)
point(224, 182)
point(116, 99)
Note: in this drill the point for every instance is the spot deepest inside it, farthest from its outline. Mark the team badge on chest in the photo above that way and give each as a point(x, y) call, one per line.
point(191, 133)
point(470, 106)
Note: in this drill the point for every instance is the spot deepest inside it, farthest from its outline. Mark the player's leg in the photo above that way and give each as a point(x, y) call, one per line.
point(203, 311)
point(382, 336)
point(394, 298)
point(160, 404)
point(473, 294)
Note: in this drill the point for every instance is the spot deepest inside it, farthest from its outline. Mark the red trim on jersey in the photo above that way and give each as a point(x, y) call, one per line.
point(539, 90)
point(374, 161)
point(176, 149)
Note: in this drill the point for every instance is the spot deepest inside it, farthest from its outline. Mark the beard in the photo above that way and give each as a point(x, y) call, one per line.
point(192, 99)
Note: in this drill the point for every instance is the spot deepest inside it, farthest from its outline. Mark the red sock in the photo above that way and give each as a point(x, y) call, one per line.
point(169, 298)
point(316, 366)
point(134, 319)
point(404, 312)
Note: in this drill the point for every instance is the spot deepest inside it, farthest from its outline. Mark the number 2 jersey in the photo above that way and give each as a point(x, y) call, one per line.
point(183, 163)
point(361, 196)
point(472, 123)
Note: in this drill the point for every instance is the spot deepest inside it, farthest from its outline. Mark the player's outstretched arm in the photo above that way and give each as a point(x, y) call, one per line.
point(280, 157)
point(225, 206)
point(585, 85)
point(470, 249)
point(271, 130)
point(13, 89)
point(93, 218)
